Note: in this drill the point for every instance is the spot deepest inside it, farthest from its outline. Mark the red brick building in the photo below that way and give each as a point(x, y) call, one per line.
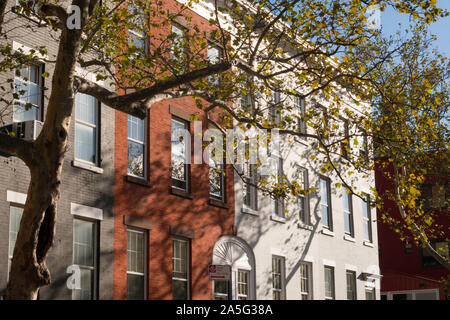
point(167, 217)
point(409, 272)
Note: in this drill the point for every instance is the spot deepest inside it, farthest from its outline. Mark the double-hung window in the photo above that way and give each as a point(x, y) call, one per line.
point(28, 93)
point(85, 257)
point(305, 280)
point(178, 42)
point(137, 34)
point(348, 211)
point(250, 192)
point(300, 108)
point(136, 264)
point(345, 144)
point(180, 150)
point(351, 285)
point(367, 218)
point(15, 215)
point(242, 284)
point(278, 273)
point(303, 198)
point(275, 110)
point(136, 147)
point(180, 272)
point(86, 128)
point(329, 283)
point(216, 180)
point(247, 103)
point(278, 203)
point(325, 203)
point(221, 290)
point(214, 56)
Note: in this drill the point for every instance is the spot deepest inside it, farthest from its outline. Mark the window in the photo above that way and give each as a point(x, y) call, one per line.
point(348, 211)
point(370, 293)
point(137, 36)
point(325, 203)
point(367, 218)
point(351, 285)
point(435, 196)
point(329, 283)
point(277, 203)
point(86, 128)
point(136, 264)
point(249, 189)
point(178, 42)
point(85, 257)
point(136, 147)
point(441, 247)
point(221, 290)
point(247, 103)
point(305, 280)
point(323, 128)
point(275, 112)
point(278, 278)
point(303, 198)
point(180, 273)
point(299, 106)
point(364, 152)
point(180, 135)
point(345, 144)
point(32, 4)
point(216, 177)
point(214, 56)
point(15, 215)
point(242, 283)
point(28, 92)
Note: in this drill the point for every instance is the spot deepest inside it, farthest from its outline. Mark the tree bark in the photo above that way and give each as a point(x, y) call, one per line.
point(37, 227)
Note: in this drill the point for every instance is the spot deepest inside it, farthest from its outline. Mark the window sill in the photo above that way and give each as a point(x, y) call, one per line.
point(327, 232)
point(348, 237)
point(86, 166)
point(137, 180)
point(302, 225)
point(249, 211)
point(368, 244)
point(218, 203)
point(180, 193)
point(276, 218)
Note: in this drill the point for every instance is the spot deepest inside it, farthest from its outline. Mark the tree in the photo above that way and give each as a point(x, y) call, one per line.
point(268, 41)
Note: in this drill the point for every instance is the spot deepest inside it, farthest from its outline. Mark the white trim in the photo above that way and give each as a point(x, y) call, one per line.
point(329, 263)
point(350, 267)
point(327, 232)
point(277, 252)
point(78, 163)
point(307, 258)
point(348, 237)
point(250, 211)
point(85, 211)
point(368, 244)
point(16, 197)
point(17, 46)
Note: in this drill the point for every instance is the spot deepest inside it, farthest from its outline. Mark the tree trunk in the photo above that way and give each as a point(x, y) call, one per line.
point(37, 227)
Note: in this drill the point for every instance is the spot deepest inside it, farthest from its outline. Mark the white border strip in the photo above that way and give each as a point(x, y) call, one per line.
point(85, 211)
point(16, 197)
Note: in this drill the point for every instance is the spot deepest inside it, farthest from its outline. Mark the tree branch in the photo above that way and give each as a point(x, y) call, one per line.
point(16, 147)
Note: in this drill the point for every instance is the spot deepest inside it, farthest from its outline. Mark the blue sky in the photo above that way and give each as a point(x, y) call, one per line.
point(390, 20)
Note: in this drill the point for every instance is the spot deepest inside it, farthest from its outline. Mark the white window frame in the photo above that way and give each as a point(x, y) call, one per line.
point(333, 283)
point(344, 152)
point(10, 254)
point(305, 210)
point(132, 9)
point(40, 69)
point(282, 274)
point(250, 175)
point(188, 260)
point(216, 78)
point(274, 113)
point(278, 204)
point(187, 151)
point(94, 268)
point(145, 149)
point(348, 213)
point(354, 287)
point(144, 248)
point(306, 295)
point(219, 294)
point(183, 39)
point(327, 204)
point(367, 220)
point(300, 106)
point(96, 127)
point(247, 284)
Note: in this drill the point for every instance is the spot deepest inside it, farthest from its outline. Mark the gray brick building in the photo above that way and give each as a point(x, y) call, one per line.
point(85, 209)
